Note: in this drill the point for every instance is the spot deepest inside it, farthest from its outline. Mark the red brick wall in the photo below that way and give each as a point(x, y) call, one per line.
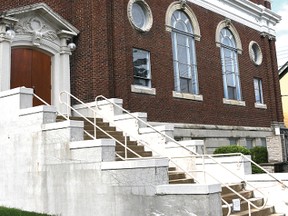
point(102, 64)
point(163, 107)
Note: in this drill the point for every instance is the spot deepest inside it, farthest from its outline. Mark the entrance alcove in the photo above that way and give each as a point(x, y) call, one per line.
point(38, 56)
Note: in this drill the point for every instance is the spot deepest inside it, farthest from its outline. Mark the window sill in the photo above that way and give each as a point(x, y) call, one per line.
point(234, 102)
point(187, 96)
point(260, 106)
point(143, 90)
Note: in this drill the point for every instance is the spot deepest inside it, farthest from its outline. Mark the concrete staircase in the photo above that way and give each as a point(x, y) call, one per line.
point(228, 196)
point(175, 177)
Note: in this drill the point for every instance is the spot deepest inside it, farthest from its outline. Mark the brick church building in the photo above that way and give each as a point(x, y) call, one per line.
point(207, 67)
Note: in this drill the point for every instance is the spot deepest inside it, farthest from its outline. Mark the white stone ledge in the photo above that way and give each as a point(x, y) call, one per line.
point(37, 109)
point(127, 116)
point(196, 189)
point(187, 96)
point(167, 127)
point(19, 90)
point(92, 143)
point(135, 164)
point(63, 124)
point(234, 102)
point(260, 106)
point(212, 127)
point(143, 90)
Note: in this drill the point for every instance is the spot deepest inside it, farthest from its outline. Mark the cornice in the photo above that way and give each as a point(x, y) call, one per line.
point(245, 12)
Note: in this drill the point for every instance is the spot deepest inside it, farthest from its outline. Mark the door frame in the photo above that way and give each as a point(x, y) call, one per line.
point(37, 26)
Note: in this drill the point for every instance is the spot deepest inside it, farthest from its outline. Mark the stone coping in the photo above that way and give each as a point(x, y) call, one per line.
point(196, 189)
point(211, 127)
point(19, 90)
point(37, 109)
point(63, 124)
point(92, 143)
point(166, 127)
point(100, 103)
point(135, 163)
point(126, 116)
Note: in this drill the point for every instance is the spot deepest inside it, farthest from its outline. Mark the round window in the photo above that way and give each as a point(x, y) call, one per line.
point(255, 53)
point(140, 15)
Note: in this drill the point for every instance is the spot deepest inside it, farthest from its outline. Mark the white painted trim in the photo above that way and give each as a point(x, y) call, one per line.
point(193, 18)
point(245, 12)
point(231, 27)
point(149, 18)
point(259, 60)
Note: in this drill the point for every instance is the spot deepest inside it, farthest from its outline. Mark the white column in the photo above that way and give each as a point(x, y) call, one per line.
point(5, 59)
point(63, 76)
point(5, 52)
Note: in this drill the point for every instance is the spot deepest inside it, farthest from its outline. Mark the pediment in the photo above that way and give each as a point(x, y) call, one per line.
point(40, 19)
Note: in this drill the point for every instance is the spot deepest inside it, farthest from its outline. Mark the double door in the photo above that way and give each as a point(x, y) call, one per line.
point(32, 69)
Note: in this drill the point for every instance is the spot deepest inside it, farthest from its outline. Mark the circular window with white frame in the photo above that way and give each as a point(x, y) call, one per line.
point(140, 15)
point(255, 53)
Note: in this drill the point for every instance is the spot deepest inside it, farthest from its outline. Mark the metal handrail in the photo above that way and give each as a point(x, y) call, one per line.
point(171, 159)
point(94, 124)
point(144, 122)
point(209, 156)
point(225, 184)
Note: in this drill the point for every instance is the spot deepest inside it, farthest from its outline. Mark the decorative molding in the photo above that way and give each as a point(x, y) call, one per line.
point(269, 36)
point(178, 6)
point(183, 3)
point(37, 28)
point(258, 56)
point(227, 23)
point(244, 12)
point(148, 15)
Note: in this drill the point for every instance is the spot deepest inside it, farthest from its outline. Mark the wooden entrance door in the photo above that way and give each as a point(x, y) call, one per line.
point(32, 69)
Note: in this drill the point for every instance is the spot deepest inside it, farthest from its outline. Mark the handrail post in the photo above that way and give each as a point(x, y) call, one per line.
point(94, 124)
point(67, 110)
point(204, 171)
point(125, 136)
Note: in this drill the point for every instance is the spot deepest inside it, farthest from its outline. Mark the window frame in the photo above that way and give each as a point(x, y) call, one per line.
point(148, 78)
point(233, 74)
point(189, 60)
point(258, 90)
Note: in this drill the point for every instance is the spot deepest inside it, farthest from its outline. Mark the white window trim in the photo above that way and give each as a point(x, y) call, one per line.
point(177, 6)
point(143, 90)
point(149, 17)
point(259, 60)
point(260, 106)
point(228, 24)
point(187, 96)
point(234, 102)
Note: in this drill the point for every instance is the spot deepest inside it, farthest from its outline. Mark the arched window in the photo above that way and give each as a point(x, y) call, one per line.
point(230, 67)
point(184, 56)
